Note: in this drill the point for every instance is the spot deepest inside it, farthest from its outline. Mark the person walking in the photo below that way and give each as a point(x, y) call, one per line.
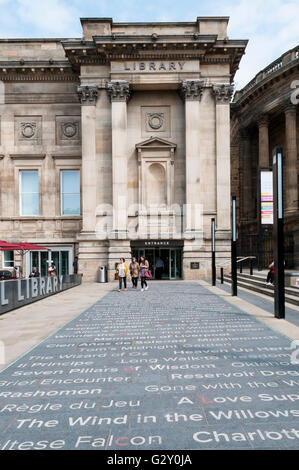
point(122, 271)
point(75, 265)
point(134, 271)
point(143, 269)
point(159, 268)
point(270, 276)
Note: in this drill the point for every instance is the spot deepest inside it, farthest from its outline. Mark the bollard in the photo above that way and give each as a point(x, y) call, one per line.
point(221, 276)
point(251, 267)
point(241, 267)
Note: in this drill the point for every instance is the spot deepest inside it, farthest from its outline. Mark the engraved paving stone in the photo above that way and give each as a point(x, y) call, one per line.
point(175, 367)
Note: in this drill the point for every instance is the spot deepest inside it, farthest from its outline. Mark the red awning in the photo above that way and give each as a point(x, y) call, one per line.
point(5, 246)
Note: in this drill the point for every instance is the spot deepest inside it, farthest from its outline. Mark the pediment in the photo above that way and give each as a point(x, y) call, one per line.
point(157, 143)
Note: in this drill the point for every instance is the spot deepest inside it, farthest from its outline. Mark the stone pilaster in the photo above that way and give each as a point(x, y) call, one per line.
point(192, 91)
point(119, 93)
point(88, 97)
point(223, 94)
point(263, 127)
point(291, 160)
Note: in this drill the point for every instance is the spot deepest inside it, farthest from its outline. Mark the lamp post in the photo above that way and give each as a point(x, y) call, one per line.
point(213, 252)
point(234, 248)
point(278, 235)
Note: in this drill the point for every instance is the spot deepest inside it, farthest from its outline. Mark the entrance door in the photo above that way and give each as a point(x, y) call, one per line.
point(168, 260)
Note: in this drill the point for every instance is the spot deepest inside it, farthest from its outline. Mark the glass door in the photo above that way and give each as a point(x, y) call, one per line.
point(61, 257)
point(172, 267)
point(44, 264)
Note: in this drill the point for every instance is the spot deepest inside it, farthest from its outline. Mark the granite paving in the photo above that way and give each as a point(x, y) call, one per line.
point(175, 367)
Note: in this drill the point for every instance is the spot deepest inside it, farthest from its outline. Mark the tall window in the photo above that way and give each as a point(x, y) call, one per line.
point(70, 192)
point(8, 260)
point(29, 193)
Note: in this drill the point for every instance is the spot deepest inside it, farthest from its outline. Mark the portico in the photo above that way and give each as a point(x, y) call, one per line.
point(156, 98)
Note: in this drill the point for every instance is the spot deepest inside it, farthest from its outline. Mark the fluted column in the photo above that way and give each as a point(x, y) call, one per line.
point(263, 126)
point(119, 92)
point(291, 159)
point(88, 97)
point(191, 91)
point(223, 94)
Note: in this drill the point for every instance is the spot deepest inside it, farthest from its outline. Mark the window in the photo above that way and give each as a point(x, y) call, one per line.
point(8, 260)
point(29, 193)
point(70, 192)
point(62, 257)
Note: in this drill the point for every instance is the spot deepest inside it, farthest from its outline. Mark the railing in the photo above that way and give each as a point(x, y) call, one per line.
point(240, 261)
point(283, 61)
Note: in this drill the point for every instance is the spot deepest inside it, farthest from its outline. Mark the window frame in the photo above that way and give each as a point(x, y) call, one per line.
point(62, 193)
point(4, 261)
point(21, 170)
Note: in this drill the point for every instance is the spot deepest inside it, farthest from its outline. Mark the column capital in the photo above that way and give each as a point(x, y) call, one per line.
point(223, 92)
point(118, 90)
point(88, 94)
point(263, 121)
point(290, 109)
point(191, 90)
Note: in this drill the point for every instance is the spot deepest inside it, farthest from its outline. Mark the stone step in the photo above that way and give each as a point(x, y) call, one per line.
point(266, 290)
point(260, 281)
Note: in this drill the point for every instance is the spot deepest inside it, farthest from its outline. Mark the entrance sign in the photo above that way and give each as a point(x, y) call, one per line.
point(266, 198)
point(155, 66)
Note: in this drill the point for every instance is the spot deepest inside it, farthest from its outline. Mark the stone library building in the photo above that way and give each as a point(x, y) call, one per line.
point(118, 144)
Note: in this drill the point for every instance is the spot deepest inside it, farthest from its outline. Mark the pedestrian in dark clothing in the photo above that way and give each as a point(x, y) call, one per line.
point(75, 265)
point(270, 277)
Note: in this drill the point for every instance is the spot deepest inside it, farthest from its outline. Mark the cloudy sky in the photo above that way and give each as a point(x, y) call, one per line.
point(270, 25)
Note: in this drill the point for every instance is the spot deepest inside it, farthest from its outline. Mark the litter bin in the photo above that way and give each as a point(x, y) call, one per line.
point(102, 275)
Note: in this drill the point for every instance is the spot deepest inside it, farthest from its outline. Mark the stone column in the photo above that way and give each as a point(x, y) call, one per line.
point(263, 126)
point(119, 245)
point(88, 97)
point(246, 183)
point(191, 91)
point(119, 92)
point(291, 160)
point(223, 94)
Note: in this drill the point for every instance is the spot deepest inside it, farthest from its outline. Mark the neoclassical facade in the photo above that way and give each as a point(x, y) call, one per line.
point(264, 117)
point(118, 144)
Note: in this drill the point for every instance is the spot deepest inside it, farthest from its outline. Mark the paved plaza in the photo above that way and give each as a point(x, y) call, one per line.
point(175, 367)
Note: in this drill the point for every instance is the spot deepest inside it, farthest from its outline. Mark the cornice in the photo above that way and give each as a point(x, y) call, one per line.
point(27, 156)
point(67, 156)
point(37, 70)
point(285, 64)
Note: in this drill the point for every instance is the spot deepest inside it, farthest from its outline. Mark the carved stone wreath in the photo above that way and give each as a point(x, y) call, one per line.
point(28, 129)
point(69, 129)
point(156, 120)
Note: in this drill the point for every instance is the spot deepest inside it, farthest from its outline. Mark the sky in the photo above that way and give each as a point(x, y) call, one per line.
point(270, 25)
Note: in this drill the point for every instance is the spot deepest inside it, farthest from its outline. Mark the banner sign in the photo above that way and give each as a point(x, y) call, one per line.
point(266, 198)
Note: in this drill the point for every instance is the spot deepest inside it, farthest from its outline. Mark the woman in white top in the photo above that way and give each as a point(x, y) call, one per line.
point(122, 271)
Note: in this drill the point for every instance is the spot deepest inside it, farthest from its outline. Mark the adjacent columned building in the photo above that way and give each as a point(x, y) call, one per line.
point(264, 117)
point(118, 144)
